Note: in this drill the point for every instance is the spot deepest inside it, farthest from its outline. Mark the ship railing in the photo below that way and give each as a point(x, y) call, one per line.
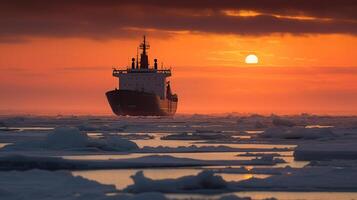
point(117, 72)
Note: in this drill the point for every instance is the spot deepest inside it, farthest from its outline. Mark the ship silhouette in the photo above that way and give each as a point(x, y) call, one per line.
point(143, 90)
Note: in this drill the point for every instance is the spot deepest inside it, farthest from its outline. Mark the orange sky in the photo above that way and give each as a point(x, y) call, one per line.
point(296, 73)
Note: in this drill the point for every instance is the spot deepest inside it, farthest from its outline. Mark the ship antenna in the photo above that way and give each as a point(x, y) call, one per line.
point(137, 57)
point(144, 45)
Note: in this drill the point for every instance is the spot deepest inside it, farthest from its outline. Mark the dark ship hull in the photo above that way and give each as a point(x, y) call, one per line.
point(127, 102)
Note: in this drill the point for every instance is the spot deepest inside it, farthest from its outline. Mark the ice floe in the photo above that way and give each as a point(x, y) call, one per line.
point(38, 184)
point(278, 121)
point(220, 148)
point(205, 180)
point(297, 133)
point(344, 150)
point(199, 135)
point(20, 162)
point(333, 163)
point(255, 170)
point(250, 154)
point(69, 138)
point(305, 179)
point(60, 185)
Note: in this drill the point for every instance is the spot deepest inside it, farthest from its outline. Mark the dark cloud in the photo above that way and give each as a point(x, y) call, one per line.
point(108, 19)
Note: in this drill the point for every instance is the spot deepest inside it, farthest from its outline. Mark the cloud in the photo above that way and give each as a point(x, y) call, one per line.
point(108, 19)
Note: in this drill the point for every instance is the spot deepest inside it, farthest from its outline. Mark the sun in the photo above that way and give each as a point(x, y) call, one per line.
point(251, 59)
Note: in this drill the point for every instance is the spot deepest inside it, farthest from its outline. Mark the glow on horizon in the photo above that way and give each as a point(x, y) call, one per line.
point(69, 76)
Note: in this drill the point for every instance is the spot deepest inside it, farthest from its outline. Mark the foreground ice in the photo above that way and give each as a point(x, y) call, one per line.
point(67, 138)
point(345, 150)
point(249, 154)
point(38, 184)
point(334, 163)
point(19, 162)
point(199, 135)
point(305, 179)
point(297, 133)
point(255, 170)
point(279, 121)
point(62, 185)
point(205, 180)
point(220, 148)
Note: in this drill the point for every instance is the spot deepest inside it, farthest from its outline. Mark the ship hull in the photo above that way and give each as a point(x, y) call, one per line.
point(134, 103)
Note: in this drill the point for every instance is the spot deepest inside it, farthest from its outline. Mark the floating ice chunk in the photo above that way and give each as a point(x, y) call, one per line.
point(113, 143)
point(304, 179)
point(259, 124)
point(141, 196)
point(102, 127)
point(205, 180)
point(297, 133)
point(231, 170)
point(344, 150)
point(278, 121)
point(249, 154)
point(268, 159)
point(19, 162)
point(135, 136)
point(333, 163)
point(233, 197)
point(199, 135)
point(255, 170)
point(69, 138)
point(220, 148)
point(38, 184)
point(65, 138)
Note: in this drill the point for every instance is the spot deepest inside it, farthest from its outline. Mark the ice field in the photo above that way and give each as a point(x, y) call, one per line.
point(185, 157)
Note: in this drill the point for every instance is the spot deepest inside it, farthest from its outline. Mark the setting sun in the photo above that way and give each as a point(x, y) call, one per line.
point(251, 59)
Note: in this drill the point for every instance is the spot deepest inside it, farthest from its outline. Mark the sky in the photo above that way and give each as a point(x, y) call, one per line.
point(56, 57)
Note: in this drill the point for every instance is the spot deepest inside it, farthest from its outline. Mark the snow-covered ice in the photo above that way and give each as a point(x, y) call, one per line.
point(206, 180)
point(278, 121)
point(62, 185)
point(255, 170)
point(220, 148)
point(21, 162)
point(305, 179)
point(250, 154)
point(199, 135)
point(39, 184)
point(297, 133)
point(327, 151)
point(327, 141)
point(70, 138)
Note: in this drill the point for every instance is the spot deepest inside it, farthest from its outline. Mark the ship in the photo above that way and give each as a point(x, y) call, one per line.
point(143, 90)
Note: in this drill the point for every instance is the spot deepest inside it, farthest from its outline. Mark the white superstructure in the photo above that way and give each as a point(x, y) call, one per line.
point(151, 81)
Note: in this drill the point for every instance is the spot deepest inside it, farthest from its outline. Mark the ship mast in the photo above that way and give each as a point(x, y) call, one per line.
point(144, 61)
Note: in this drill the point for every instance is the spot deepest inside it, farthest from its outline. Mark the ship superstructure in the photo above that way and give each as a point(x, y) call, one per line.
point(143, 89)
